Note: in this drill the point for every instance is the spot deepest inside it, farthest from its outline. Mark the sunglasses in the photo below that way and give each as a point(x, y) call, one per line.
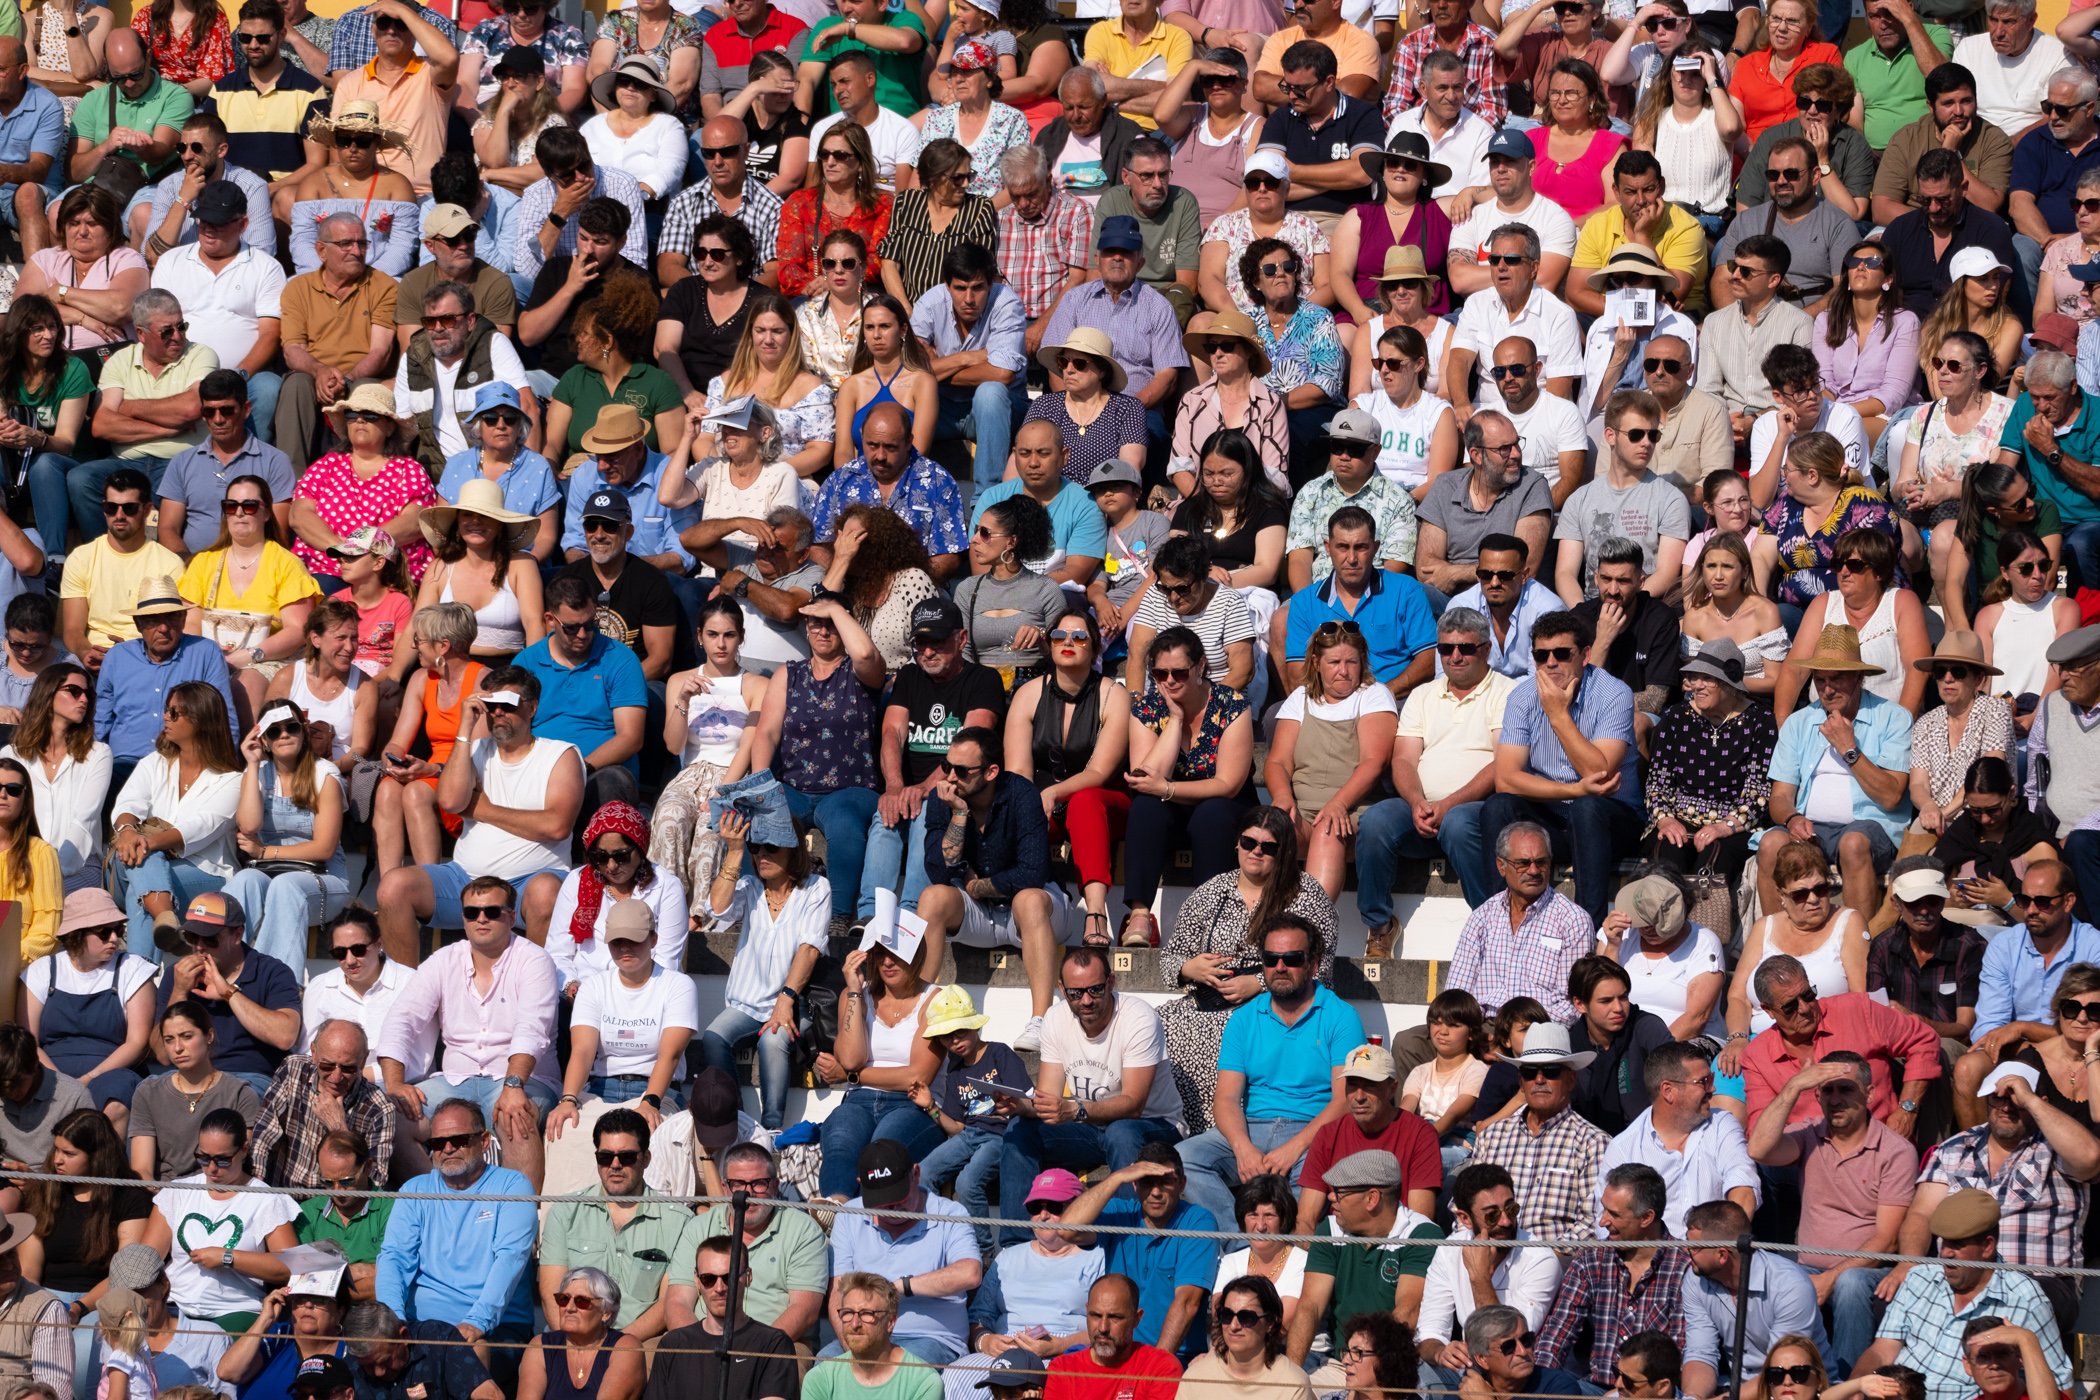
point(1542, 1071)
point(349, 950)
point(356, 415)
point(1070, 634)
point(223, 410)
point(838, 155)
point(1956, 366)
point(230, 506)
point(74, 692)
point(13, 789)
point(1280, 269)
point(1821, 104)
point(1495, 575)
point(2071, 1009)
point(1958, 673)
point(1460, 648)
point(1792, 1005)
point(713, 254)
point(579, 1301)
point(1255, 846)
point(1093, 993)
point(1662, 366)
point(285, 729)
point(243, 37)
point(1248, 1318)
point(1854, 565)
point(599, 858)
point(1659, 24)
point(1807, 892)
point(123, 507)
point(1874, 260)
point(1508, 1345)
point(1541, 655)
point(130, 77)
point(2037, 901)
point(1297, 957)
point(2029, 568)
point(1393, 364)
point(485, 913)
point(1163, 674)
point(1261, 182)
point(1502, 372)
point(2061, 109)
point(1337, 628)
point(839, 264)
point(1638, 435)
point(1220, 342)
point(358, 141)
point(505, 420)
point(454, 1142)
point(963, 770)
point(217, 1159)
point(1506, 260)
point(1774, 175)
point(618, 1157)
point(340, 1183)
point(1790, 1375)
point(711, 1281)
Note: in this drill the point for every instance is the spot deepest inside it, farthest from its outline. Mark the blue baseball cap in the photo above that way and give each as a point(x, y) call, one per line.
point(492, 396)
point(1512, 145)
point(1119, 232)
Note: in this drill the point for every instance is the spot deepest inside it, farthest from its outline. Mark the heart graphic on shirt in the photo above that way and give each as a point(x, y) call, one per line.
point(207, 1233)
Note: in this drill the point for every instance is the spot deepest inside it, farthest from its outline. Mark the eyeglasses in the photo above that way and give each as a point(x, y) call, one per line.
point(1774, 175)
point(232, 506)
point(1162, 674)
point(1247, 1318)
point(1796, 1004)
point(1352, 1355)
point(130, 77)
point(454, 1142)
point(579, 1301)
point(1460, 648)
point(1541, 655)
point(219, 1160)
point(1508, 1345)
point(1296, 957)
point(349, 950)
point(862, 1314)
point(123, 507)
point(618, 1157)
point(839, 264)
point(1790, 1375)
point(1255, 846)
point(485, 913)
point(1640, 435)
point(341, 1183)
point(1093, 993)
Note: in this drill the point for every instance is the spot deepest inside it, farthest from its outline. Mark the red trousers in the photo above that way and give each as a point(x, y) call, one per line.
point(1094, 817)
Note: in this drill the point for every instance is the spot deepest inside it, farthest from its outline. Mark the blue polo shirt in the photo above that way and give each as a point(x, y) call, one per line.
point(37, 124)
point(1602, 709)
point(131, 693)
point(1289, 1068)
point(577, 704)
point(2047, 169)
point(1882, 731)
point(1075, 521)
point(2081, 443)
point(1393, 613)
point(1162, 1263)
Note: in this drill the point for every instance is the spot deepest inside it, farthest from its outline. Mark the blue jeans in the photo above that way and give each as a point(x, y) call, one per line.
point(84, 488)
point(50, 505)
point(263, 388)
point(887, 848)
point(1386, 833)
point(1854, 1313)
point(1032, 1145)
point(843, 817)
point(626, 1088)
point(731, 1029)
point(971, 1158)
point(2082, 854)
point(2082, 555)
point(1213, 1175)
point(157, 874)
point(985, 416)
point(282, 908)
point(862, 1116)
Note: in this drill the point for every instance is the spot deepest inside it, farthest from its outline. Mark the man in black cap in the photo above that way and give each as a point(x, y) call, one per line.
point(324, 1378)
point(1016, 1374)
point(933, 699)
point(398, 1360)
point(934, 1262)
point(636, 604)
point(760, 1360)
point(2063, 770)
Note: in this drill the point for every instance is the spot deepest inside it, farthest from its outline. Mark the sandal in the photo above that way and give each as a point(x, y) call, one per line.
point(1089, 938)
point(1134, 937)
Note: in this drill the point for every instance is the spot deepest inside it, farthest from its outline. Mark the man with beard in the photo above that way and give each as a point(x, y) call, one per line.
point(1466, 512)
point(1610, 1294)
point(634, 1241)
point(635, 603)
point(786, 1250)
point(1172, 1273)
point(1950, 123)
point(450, 238)
point(445, 367)
point(761, 1360)
point(1857, 1182)
point(169, 218)
point(1113, 1355)
point(1696, 1148)
point(1166, 218)
point(1816, 231)
point(1840, 162)
point(1483, 1207)
point(1923, 242)
point(1782, 1301)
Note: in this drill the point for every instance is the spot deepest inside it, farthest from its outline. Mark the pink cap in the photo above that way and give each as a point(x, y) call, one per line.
point(1056, 1184)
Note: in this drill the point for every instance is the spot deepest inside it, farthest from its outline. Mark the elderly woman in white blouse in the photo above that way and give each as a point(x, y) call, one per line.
point(637, 131)
point(616, 869)
point(172, 838)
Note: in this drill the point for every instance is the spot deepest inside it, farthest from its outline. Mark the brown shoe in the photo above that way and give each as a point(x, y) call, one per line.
point(1378, 942)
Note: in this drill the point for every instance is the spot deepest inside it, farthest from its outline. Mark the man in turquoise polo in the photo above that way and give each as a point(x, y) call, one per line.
point(2054, 431)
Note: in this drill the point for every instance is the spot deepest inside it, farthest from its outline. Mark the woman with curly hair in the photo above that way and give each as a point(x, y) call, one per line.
point(879, 566)
point(190, 41)
point(1306, 364)
point(44, 393)
point(939, 215)
point(1009, 607)
point(769, 365)
point(843, 197)
point(612, 366)
point(891, 366)
point(703, 318)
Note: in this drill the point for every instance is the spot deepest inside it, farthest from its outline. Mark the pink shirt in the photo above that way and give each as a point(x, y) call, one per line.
point(57, 265)
point(378, 627)
point(1843, 1191)
point(345, 503)
point(481, 1033)
point(1851, 1021)
point(1577, 186)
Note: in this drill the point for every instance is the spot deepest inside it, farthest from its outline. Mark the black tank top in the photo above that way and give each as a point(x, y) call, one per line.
point(1061, 753)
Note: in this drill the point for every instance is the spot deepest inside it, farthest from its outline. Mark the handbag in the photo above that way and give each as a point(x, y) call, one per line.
point(1713, 898)
point(119, 173)
point(279, 865)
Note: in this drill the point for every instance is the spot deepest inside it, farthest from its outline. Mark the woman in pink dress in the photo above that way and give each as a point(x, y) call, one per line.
point(373, 483)
point(1576, 146)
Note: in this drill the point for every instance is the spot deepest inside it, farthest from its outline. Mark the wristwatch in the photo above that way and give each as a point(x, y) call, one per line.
point(1908, 1105)
point(556, 220)
point(2054, 459)
point(655, 1101)
point(226, 1259)
point(255, 654)
point(511, 1081)
point(741, 589)
point(1079, 1111)
point(1823, 170)
point(1851, 756)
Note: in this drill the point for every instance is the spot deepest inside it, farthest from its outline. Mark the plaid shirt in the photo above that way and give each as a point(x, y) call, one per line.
point(286, 1149)
point(1956, 965)
point(1555, 1171)
point(1598, 1291)
point(2041, 1210)
point(537, 203)
point(352, 44)
point(1495, 962)
point(1484, 93)
point(760, 213)
point(1923, 1319)
point(1034, 258)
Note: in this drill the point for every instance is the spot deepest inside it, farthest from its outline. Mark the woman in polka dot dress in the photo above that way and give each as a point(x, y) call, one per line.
point(374, 483)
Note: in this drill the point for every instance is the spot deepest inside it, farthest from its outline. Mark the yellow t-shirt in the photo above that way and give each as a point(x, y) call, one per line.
point(1170, 44)
point(1682, 247)
point(110, 583)
point(1355, 51)
point(280, 580)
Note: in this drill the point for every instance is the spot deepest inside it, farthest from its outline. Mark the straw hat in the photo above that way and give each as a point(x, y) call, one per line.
point(1404, 264)
point(478, 497)
point(1085, 340)
point(1231, 325)
point(158, 594)
point(371, 397)
point(639, 68)
point(359, 118)
point(1628, 260)
point(1958, 648)
point(1837, 650)
point(618, 428)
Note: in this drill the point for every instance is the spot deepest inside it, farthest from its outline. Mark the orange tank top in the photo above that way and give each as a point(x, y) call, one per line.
point(441, 725)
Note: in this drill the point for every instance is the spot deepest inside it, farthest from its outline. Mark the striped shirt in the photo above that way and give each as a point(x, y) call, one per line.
point(919, 253)
point(266, 131)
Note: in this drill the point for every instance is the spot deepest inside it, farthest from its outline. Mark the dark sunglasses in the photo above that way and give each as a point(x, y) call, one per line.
point(217, 1159)
point(1255, 846)
point(840, 264)
point(1296, 957)
point(709, 1281)
point(2064, 109)
point(1172, 673)
point(123, 507)
point(1258, 181)
point(485, 913)
point(1460, 648)
point(721, 152)
point(285, 729)
point(1505, 259)
point(1958, 673)
point(1542, 1071)
point(1809, 997)
point(130, 77)
point(357, 141)
point(1508, 1345)
point(1495, 575)
point(1641, 434)
point(1853, 565)
point(2072, 1009)
point(450, 1142)
point(1662, 366)
point(963, 770)
point(1822, 891)
point(1775, 175)
point(1541, 655)
point(230, 506)
point(1249, 1318)
point(1874, 260)
point(1287, 268)
point(244, 37)
point(349, 950)
point(13, 789)
point(1501, 372)
point(340, 1183)
point(223, 410)
point(2037, 901)
point(74, 692)
point(1795, 1375)
point(195, 148)
point(618, 1157)
point(2029, 568)
point(598, 857)
point(1093, 993)
point(580, 1301)
point(1820, 104)
point(1953, 366)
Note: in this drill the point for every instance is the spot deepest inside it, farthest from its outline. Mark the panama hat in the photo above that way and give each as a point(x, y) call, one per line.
point(478, 497)
point(1404, 264)
point(619, 426)
point(1085, 340)
point(1837, 650)
point(1232, 325)
point(1628, 261)
point(372, 397)
point(158, 594)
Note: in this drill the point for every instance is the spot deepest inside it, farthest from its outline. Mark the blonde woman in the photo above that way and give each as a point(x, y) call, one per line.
point(1978, 300)
point(769, 365)
point(508, 134)
point(1722, 603)
point(746, 479)
point(1691, 135)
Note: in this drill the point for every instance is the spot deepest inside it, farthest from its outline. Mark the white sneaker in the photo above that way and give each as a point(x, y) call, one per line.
point(1031, 1036)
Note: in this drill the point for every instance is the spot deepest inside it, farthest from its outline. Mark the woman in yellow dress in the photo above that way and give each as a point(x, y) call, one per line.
point(250, 594)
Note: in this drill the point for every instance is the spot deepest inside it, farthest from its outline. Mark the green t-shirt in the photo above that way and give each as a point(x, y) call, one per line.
point(1366, 1275)
point(73, 382)
point(791, 1255)
point(360, 1238)
point(165, 104)
point(646, 387)
point(1892, 86)
point(898, 84)
point(832, 1379)
point(1172, 244)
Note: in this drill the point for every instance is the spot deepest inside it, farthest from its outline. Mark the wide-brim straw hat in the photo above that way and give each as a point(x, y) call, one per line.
point(1085, 340)
point(1958, 648)
point(1628, 261)
point(1233, 325)
point(478, 497)
point(1837, 650)
point(358, 117)
point(642, 69)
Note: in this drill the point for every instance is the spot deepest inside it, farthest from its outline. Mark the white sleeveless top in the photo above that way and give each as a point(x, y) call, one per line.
point(1439, 342)
point(1696, 164)
point(715, 719)
point(486, 849)
point(339, 712)
point(2019, 642)
point(1826, 965)
point(1877, 644)
point(890, 1047)
point(500, 622)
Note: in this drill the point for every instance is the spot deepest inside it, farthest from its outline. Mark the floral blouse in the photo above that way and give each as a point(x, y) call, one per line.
point(1806, 551)
point(804, 222)
point(1308, 352)
point(176, 60)
point(1942, 452)
point(345, 503)
point(1200, 415)
point(1198, 759)
point(624, 28)
point(1236, 231)
point(827, 350)
point(1213, 919)
point(1004, 128)
point(827, 738)
point(1989, 730)
point(1701, 772)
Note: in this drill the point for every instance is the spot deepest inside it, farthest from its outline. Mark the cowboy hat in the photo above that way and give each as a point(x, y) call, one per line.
point(158, 594)
point(637, 68)
point(1404, 264)
point(1085, 340)
point(1547, 1044)
point(618, 428)
point(358, 117)
point(1837, 650)
point(1414, 146)
point(1627, 260)
point(478, 497)
point(1231, 325)
point(1958, 648)
point(372, 397)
